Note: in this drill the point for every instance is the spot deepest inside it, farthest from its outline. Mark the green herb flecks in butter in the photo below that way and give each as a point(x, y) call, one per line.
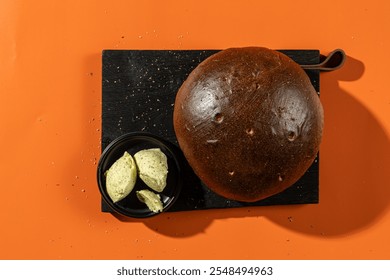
point(152, 168)
point(151, 199)
point(121, 177)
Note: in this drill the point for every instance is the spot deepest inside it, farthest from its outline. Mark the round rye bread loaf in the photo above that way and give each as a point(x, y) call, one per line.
point(249, 122)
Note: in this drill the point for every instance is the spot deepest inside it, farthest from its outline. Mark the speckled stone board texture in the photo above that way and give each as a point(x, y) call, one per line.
point(138, 94)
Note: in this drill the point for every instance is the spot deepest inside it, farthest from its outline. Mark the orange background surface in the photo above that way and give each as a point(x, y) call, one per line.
point(50, 119)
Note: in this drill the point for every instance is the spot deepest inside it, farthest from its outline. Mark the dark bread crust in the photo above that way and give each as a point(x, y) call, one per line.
point(249, 122)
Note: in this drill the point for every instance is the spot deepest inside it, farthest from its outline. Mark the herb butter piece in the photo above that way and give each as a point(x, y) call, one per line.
point(151, 199)
point(152, 168)
point(121, 177)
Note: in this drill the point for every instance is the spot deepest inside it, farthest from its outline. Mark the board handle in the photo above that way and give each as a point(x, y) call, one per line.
point(333, 61)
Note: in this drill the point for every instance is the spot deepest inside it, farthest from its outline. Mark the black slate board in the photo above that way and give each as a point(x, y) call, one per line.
point(138, 94)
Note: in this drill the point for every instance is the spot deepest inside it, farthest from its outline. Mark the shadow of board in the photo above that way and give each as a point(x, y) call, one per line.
point(355, 153)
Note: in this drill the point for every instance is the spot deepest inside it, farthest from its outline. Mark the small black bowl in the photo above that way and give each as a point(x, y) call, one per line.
point(130, 206)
